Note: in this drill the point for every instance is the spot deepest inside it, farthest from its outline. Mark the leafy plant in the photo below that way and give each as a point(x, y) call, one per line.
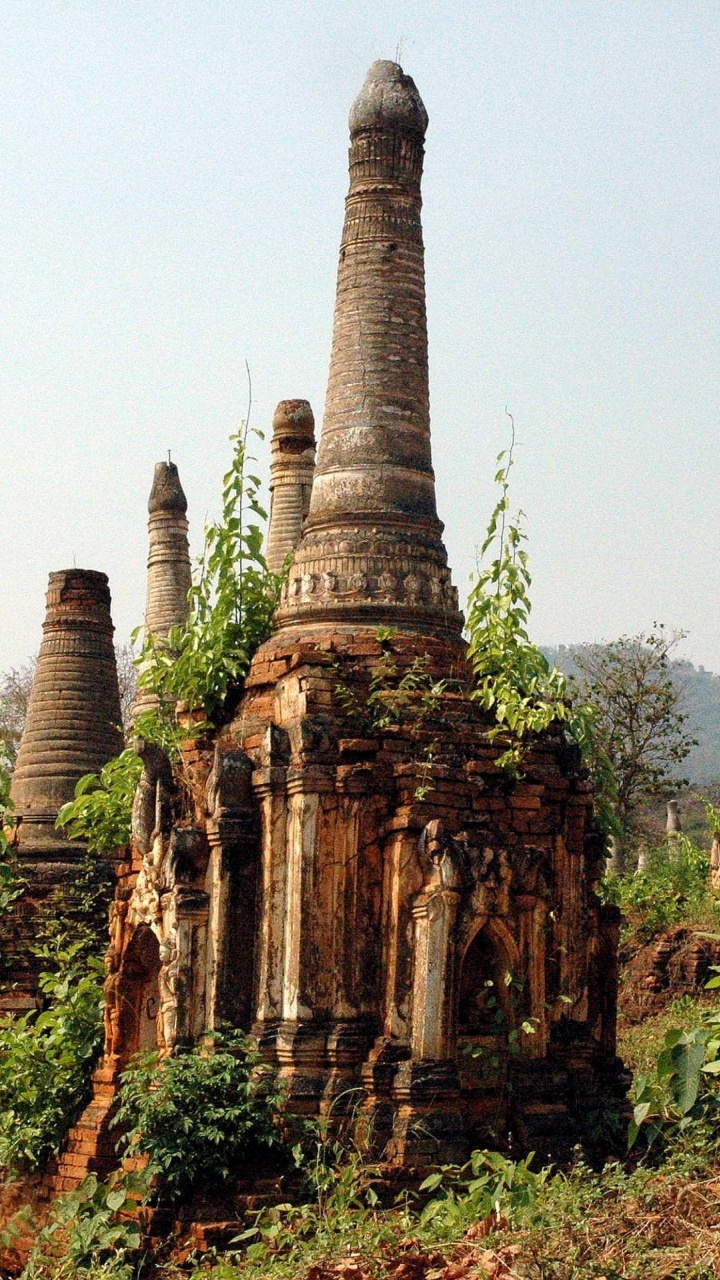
point(674, 887)
point(100, 813)
point(45, 1060)
point(490, 1190)
point(198, 1116)
point(513, 679)
point(231, 603)
point(85, 1237)
point(101, 810)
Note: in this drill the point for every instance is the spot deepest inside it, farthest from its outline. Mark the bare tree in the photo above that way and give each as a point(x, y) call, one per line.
point(16, 686)
point(640, 722)
point(127, 682)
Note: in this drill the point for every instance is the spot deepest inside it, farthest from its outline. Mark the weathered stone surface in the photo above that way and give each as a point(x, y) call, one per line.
point(73, 720)
point(372, 549)
point(169, 574)
point(409, 933)
point(72, 728)
point(291, 477)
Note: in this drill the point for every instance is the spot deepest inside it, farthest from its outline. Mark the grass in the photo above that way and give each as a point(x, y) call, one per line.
point(642, 1221)
point(638, 1045)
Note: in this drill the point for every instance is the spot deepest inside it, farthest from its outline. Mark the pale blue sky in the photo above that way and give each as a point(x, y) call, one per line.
point(172, 179)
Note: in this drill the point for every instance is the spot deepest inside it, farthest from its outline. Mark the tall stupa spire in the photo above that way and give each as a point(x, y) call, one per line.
point(372, 549)
point(169, 574)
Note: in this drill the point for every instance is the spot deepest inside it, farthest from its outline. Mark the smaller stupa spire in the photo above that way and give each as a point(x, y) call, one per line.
point(168, 568)
point(291, 477)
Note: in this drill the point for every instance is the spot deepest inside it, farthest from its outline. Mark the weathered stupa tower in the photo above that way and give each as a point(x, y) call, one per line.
point(371, 551)
point(72, 728)
point(168, 571)
point(398, 922)
point(291, 477)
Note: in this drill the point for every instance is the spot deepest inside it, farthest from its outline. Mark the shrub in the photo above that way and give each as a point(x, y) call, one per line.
point(84, 1237)
point(674, 888)
point(45, 1061)
point(199, 1115)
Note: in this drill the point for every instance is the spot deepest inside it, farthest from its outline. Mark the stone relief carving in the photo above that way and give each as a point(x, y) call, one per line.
point(439, 859)
point(167, 982)
point(229, 786)
point(434, 911)
point(153, 800)
point(413, 588)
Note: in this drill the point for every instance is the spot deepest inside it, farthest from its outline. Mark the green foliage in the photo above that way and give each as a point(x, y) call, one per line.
point(489, 1189)
point(231, 602)
point(101, 811)
point(341, 1207)
point(344, 1214)
point(638, 716)
point(47, 1055)
point(712, 815)
point(11, 886)
point(665, 1097)
point(45, 1060)
point(681, 1090)
point(198, 1116)
point(393, 694)
point(231, 606)
point(85, 1237)
point(513, 679)
point(673, 888)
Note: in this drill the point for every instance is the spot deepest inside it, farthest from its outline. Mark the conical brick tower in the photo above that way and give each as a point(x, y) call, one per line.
point(72, 728)
point(73, 721)
point(291, 477)
point(169, 574)
point(372, 549)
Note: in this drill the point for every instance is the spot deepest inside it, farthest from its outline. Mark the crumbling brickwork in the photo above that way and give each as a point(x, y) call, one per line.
point(405, 929)
point(72, 728)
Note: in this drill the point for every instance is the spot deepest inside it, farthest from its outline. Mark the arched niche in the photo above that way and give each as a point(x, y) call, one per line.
point(486, 1015)
point(139, 993)
point(485, 1004)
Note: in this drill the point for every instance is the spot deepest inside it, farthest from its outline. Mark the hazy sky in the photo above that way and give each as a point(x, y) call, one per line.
point(172, 177)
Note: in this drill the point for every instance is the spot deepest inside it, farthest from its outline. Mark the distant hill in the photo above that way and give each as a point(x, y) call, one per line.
point(701, 691)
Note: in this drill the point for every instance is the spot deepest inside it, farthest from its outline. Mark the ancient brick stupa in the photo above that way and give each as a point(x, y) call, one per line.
point(406, 930)
point(72, 728)
point(168, 570)
point(291, 477)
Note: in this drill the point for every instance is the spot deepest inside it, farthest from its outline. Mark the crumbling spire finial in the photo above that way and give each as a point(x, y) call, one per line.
point(169, 576)
point(371, 550)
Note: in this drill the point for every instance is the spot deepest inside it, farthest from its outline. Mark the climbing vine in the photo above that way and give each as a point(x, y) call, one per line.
point(513, 679)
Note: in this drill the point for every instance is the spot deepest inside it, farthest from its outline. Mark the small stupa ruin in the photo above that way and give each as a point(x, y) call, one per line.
point(73, 727)
point(169, 575)
point(404, 929)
